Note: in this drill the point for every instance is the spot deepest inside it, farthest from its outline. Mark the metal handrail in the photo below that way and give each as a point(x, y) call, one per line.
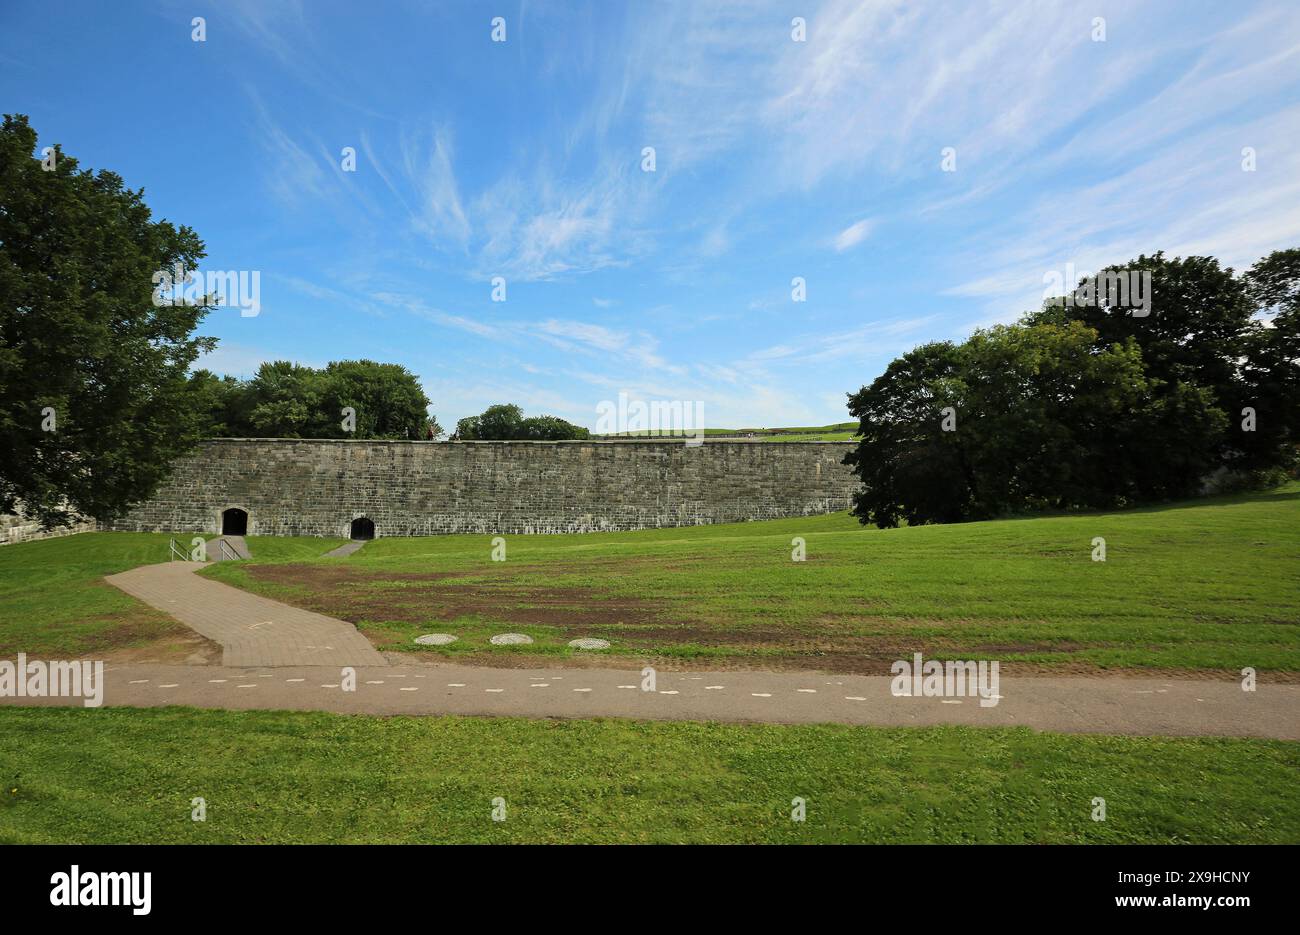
point(228, 551)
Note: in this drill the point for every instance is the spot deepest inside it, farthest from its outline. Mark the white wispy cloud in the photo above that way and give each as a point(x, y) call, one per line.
point(639, 348)
point(876, 339)
point(853, 235)
point(541, 224)
point(429, 168)
point(1192, 199)
point(295, 175)
point(422, 309)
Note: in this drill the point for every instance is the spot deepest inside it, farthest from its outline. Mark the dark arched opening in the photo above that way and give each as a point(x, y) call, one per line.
point(234, 522)
point(363, 528)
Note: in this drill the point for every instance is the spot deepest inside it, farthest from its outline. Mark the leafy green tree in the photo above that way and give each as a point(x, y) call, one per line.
point(1205, 334)
point(1270, 376)
point(287, 400)
point(1053, 420)
point(1089, 405)
point(911, 469)
point(220, 403)
point(387, 398)
point(1021, 418)
point(506, 422)
point(495, 423)
point(82, 341)
point(1195, 332)
point(551, 429)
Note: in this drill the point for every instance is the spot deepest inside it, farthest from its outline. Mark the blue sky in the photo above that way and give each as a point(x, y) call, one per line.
point(775, 159)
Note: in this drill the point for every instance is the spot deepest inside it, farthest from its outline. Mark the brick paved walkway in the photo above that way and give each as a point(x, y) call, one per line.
point(252, 630)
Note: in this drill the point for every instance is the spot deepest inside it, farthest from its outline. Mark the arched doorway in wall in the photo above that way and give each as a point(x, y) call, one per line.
point(234, 522)
point(363, 528)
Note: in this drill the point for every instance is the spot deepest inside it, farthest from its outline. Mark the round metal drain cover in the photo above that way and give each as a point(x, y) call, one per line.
point(510, 639)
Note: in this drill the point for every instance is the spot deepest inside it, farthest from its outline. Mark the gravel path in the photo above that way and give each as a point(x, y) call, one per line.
point(1103, 706)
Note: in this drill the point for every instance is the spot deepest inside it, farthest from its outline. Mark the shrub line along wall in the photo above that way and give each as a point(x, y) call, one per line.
point(314, 487)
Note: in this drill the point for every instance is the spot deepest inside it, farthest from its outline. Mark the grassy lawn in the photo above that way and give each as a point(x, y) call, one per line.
point(54, 602)
point(289, 548)
point(1203, 585)
point(122, 775)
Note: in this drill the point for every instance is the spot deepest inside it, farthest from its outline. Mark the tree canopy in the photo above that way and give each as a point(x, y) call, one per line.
point(1088, 405)
point(506, 422)
point(287, 400)
point(94, 404)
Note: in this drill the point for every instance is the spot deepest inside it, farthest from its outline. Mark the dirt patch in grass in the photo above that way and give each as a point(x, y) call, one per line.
point(645, 629)
point(321, 576)
point(188, 648)
point(560, 607)
point(149, 637)
point(352, 595)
